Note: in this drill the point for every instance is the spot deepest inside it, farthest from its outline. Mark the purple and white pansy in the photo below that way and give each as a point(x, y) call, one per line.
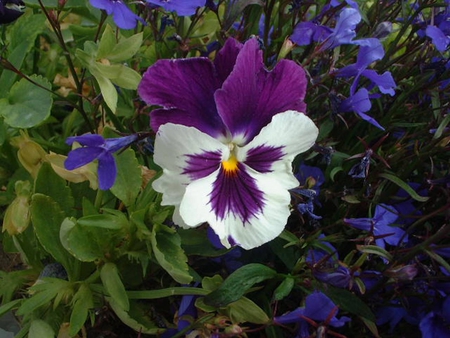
point(227, 133)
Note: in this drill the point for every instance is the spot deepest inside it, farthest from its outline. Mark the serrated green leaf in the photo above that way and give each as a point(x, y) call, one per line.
point(129, 180)
point(27, 105)
point(235, 286)
point(51, 184)
point(166, 245)
point(114, 286)
point(82, 302)
point(47, 217)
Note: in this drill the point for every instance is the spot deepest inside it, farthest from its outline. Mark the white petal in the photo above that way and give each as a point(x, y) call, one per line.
point(261, 228)
point(174, 144)
point(294, 132)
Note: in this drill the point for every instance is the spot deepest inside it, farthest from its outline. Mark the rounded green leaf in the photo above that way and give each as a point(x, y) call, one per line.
point(27, 105)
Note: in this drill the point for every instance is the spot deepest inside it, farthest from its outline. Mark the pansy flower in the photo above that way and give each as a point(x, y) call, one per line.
point(227, 133)
point(97, 148)
point(123, 16)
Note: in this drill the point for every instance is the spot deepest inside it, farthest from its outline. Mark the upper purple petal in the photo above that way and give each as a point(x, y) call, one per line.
point(226, 58)
point(360, 223)
point(251, 95)
point(107, 171)
point(384, 81)
point(115, 144)
point(82, 156)
point(307, 32)
point(344, 32)
point(185, 89)
point(124, 17)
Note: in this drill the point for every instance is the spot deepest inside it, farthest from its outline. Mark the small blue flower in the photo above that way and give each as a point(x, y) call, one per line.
point(122, 15)
point(97, 148)
point(380, 226)
point(318, 307)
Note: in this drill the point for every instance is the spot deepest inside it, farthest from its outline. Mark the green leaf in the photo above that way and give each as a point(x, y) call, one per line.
point(5, 308)
point(109, 92)
point(129, 180)
point(375, 250)
point(166, 245)
point(88, 244)
point(22, 37)
point(245, 310)
point(411, 192)
point(126, 48)
point(235, 9)
point(284, 289)
point(114, 286)
point(82, 302)
point(348, 301)
point(136, 318)
point(120, 75)
point(27, 105)
point(107, 43)
point(105, 221)
point(235, 286)
point(40, 329)
point(51, 184)
point(47, 217)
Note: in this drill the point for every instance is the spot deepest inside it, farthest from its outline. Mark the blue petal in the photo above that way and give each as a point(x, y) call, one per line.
point(181, 7)
point(107, 171)
point(81, 156)
point(440, 40)
point(91, 140)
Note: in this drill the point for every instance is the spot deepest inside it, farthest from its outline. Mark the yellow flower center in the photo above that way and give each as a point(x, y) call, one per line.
point(230, 166)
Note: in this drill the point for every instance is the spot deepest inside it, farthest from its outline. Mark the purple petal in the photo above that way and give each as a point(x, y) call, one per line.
point(384, 215)
point(81, 156)
point(107, 171)
point(226, 58)
point(236, 193)
point(358, 102)
point(106, 5)
point(440, 40)
point(115, 144)
point(124, 17)
point(291, 317)
point(318, 306)
point(344, 32)
point(371, 120)
point(91, 140)
point(185, 89)
point(181, 7)
point(360, 223)
point(370, 50)
point(262, 157)
point(384, 81)
point(251, 95)
point(307, 32)
point(202, 165)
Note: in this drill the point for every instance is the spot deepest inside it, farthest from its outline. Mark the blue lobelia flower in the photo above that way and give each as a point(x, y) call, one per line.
point(97, 148)
point(227, 133)
point(343, 33)
point(181, 7)
point(318, 307)
point(123, 16)
point(380, 226)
